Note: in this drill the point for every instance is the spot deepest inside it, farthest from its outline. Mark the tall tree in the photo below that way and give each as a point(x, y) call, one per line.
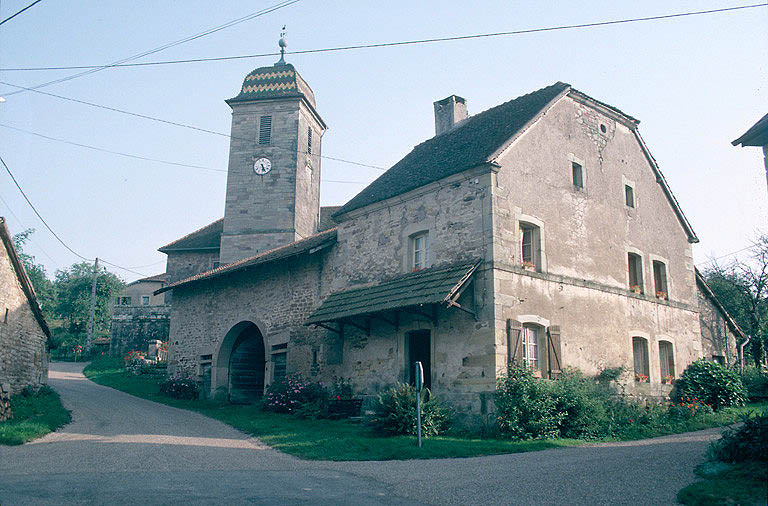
point(73, 287)
point(43, 286)
point(742, 287)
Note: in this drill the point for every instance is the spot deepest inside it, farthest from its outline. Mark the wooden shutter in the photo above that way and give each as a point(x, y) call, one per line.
point(514, 345)
point(554, 350)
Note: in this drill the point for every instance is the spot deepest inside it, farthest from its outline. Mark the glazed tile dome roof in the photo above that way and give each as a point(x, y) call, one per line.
point(277, 81)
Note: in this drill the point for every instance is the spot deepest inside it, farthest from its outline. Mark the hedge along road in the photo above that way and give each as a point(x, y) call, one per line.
point(120, 449)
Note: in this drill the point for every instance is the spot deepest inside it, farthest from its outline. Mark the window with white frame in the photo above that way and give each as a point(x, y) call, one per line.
point(667, 361)
point(530, 343)
point(640, 354)
point(419, 251)
point(530, 246)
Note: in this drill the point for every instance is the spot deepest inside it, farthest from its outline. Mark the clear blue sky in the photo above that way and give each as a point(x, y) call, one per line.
point(695, 83)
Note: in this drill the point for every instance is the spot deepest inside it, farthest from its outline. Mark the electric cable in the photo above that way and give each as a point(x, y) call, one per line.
point(398, 43)
point(174, 123)
point(54, 233)
point(19, 12)
point(254, 15)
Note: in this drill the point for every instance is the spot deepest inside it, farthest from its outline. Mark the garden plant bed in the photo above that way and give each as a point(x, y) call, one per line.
point(345, 440)
point(34, 416)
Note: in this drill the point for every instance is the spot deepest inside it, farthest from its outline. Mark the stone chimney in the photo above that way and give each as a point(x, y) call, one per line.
point(448, 112)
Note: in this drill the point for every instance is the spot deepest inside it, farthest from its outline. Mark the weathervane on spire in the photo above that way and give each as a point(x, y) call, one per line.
point(282, 43)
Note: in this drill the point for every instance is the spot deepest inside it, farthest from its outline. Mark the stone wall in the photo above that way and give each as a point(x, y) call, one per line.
point(133, 327)
point(23, 354)
point(717, 339)
point(586, 234)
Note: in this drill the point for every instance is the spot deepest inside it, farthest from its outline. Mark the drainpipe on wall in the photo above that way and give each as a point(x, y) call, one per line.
point(741, 352)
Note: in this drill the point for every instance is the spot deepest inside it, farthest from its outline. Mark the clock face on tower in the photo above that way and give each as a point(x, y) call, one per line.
point(261, 166)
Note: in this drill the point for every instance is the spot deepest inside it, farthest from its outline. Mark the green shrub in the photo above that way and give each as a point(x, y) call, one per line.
point(689, 408)
point(180, 388)
point(710, 383)
point(395, 412)
point(527, 407)
point(756, 383)
point(297, 395)
point(748, 442)
point(584, 405)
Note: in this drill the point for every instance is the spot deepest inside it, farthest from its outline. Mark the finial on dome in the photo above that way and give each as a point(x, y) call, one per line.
point(282, 43)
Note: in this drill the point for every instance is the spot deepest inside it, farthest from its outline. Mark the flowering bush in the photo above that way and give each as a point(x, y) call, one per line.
point(180, 388)
point(341, 389)
point(134, 361)
point(641, 378)
point(660, 294)
point(710, 382)
point(689, 407)
point(667, 379)
point(297, 395)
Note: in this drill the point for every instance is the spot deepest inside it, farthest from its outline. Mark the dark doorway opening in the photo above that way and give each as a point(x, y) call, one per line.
point(246, 367)
point(420, 350)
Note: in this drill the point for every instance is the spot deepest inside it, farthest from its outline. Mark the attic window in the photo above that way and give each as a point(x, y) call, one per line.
point(602, 128)
point(419, 251)
point(629, 195)
point(578, 175)
point(265, 130)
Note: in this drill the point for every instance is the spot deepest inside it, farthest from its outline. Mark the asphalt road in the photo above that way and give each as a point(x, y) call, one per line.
point(121, 449)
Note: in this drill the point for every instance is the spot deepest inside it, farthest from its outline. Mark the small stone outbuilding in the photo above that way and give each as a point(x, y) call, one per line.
point(24, 332)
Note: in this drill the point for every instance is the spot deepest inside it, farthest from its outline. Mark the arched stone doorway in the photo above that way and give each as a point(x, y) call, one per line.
point(240, 364)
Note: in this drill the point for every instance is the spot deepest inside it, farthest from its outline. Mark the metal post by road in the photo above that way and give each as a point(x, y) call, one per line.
point(91, 318)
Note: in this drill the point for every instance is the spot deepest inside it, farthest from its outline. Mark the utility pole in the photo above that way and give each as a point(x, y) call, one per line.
point(89, 339)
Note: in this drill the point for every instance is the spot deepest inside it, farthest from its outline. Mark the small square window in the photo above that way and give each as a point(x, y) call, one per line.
point(145, 300)
point(125, 301)
point(578, 175)
point(420, 251)
point(629, 195)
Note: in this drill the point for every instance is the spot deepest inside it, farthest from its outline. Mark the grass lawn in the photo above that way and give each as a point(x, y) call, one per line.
point(34, 416)
point(344, 440)
point(727, 484)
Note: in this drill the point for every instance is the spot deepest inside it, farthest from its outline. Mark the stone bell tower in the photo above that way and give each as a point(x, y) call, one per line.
point(273, 180)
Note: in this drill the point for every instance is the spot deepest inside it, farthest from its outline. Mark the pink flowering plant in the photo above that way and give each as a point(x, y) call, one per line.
point(298, 396)
point(134, 361)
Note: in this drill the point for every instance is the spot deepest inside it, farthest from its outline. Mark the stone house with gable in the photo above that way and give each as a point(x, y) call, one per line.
point(539, 232)
point(24, 332)
point(139, 316)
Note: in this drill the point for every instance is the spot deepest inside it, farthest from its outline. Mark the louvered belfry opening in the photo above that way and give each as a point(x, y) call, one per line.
point(246, 367)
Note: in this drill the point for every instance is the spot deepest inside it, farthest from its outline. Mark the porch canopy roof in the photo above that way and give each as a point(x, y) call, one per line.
point(435, 285)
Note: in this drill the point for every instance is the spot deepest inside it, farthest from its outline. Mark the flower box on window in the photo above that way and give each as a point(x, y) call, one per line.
point(661, 294)
point(636, 289)
point(641, 378)
point(667, 379)
point(529, 266)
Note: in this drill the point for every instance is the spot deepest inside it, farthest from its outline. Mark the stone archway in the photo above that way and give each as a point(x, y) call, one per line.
point(239, 371)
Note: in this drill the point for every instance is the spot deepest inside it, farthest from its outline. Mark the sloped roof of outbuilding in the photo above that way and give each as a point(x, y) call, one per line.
point(757, 135)
point(207, 237)
point(710, 294)
point(309, 244)
point(21, 275)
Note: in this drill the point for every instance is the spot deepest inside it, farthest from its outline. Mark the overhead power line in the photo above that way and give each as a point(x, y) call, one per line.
point(173, 123)
point(51, 230)
point(140, 157)
point(190, 38)
point(10, 209)
point(398, 43)
point(19, 12)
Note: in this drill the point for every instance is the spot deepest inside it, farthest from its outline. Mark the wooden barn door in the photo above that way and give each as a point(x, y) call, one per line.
point(246, 367)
